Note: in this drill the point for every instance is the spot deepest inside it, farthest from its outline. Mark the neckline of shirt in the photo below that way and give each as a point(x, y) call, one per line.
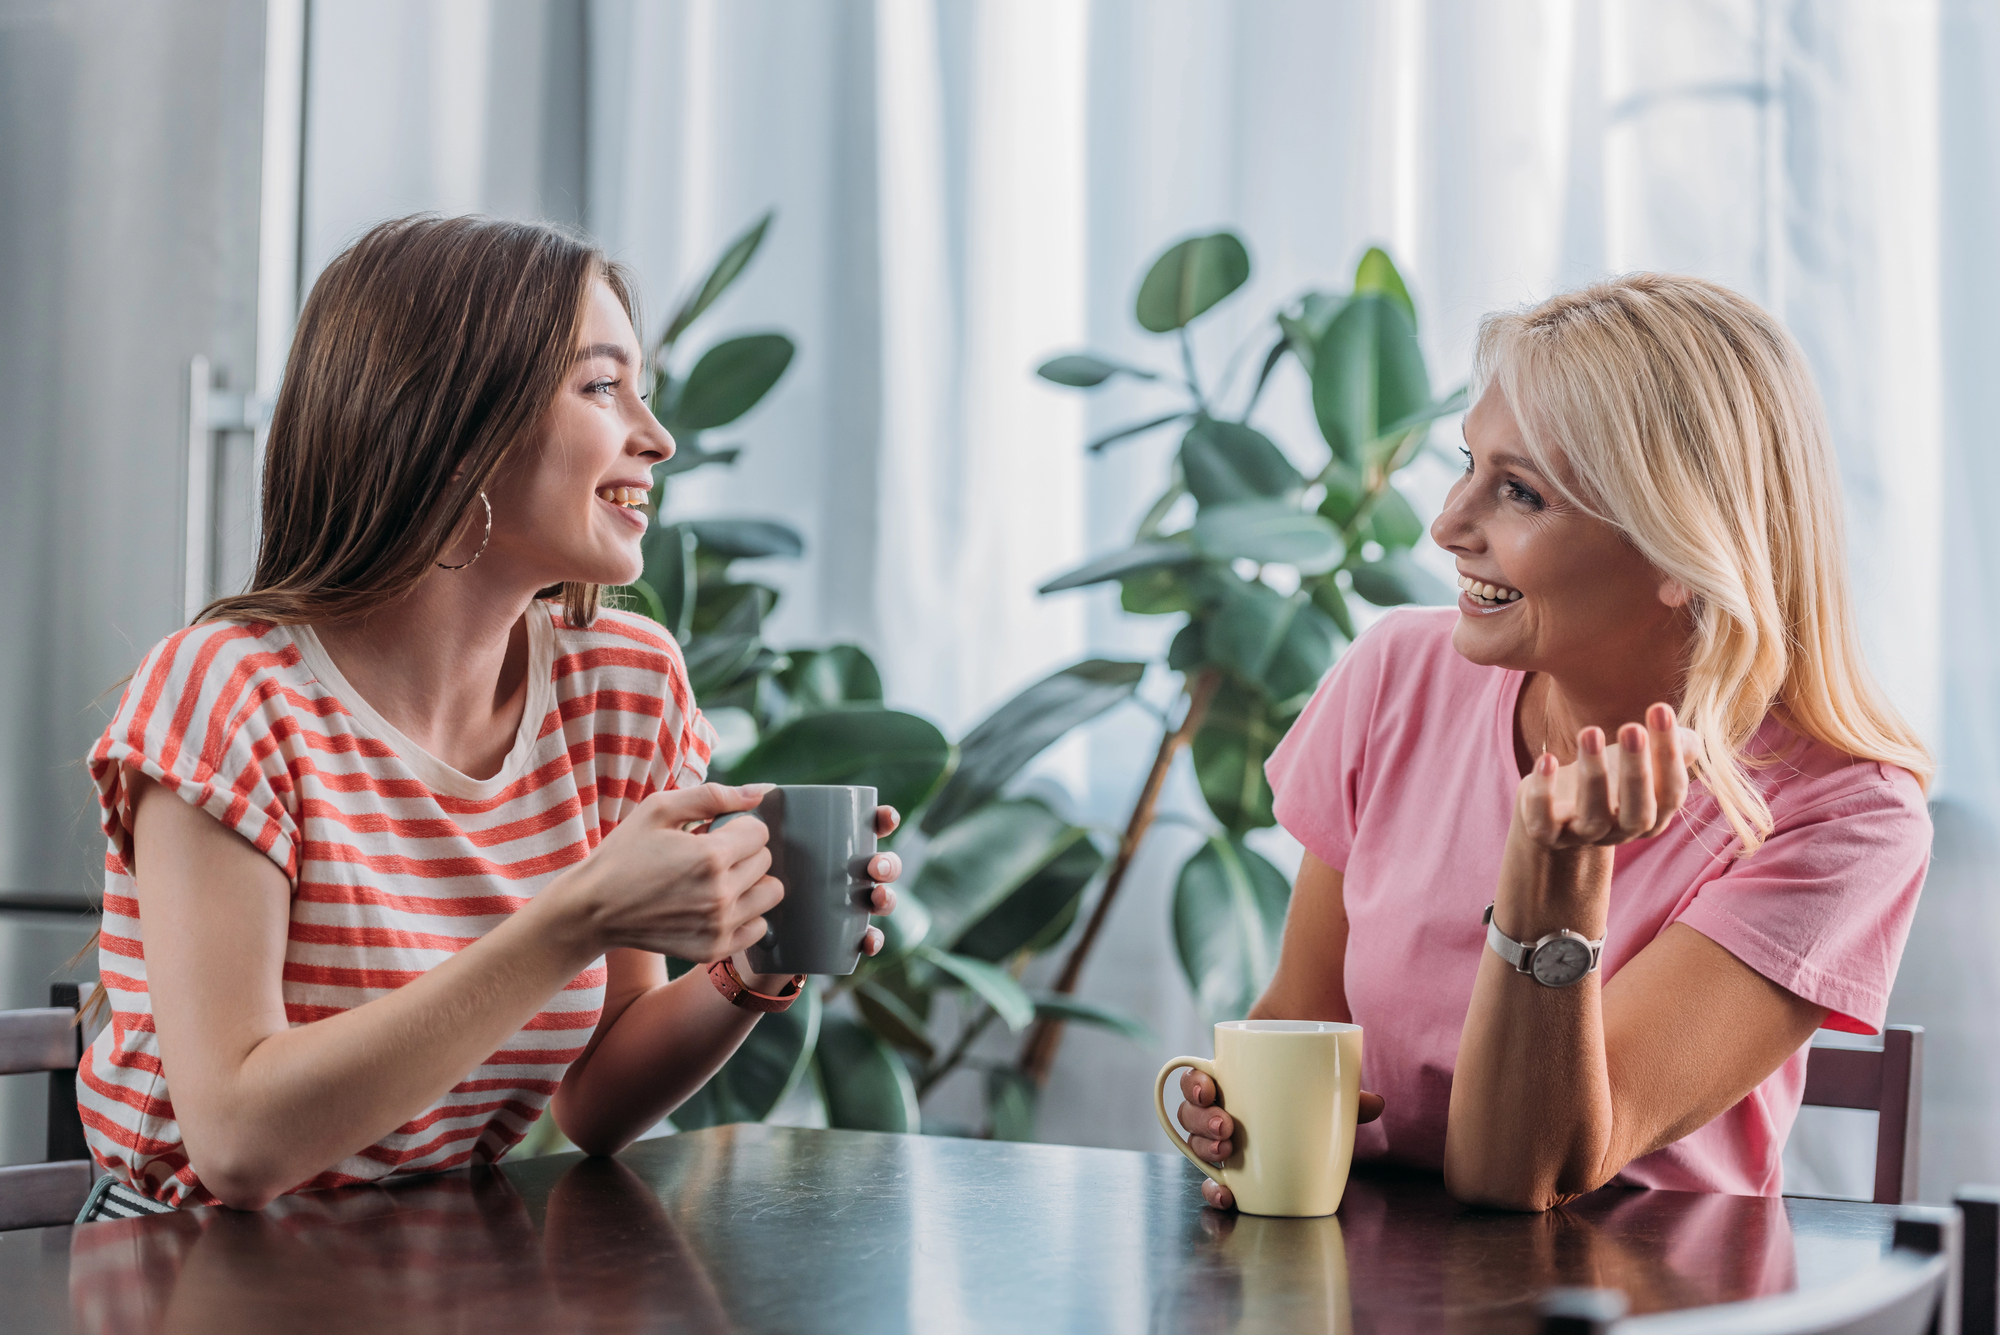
point(435, 774)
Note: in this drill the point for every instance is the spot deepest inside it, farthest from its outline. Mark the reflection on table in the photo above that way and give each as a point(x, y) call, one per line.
point(455, 1251)
point(757, 1228)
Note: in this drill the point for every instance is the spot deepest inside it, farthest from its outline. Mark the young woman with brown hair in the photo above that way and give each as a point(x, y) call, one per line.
point(433, 831)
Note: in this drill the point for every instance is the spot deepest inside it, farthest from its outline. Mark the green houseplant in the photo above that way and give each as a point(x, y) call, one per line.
point(996, 880)
point(1260, 561)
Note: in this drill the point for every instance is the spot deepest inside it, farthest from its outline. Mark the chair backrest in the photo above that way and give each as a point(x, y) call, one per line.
point(1888, 1080)
point(42, 1195)
point(1910, 1291)
point(1979, 1305)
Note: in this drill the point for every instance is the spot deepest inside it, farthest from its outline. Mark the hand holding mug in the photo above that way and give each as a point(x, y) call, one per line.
point(1210, 1129)
point(1295, 1089)
point(822, 840)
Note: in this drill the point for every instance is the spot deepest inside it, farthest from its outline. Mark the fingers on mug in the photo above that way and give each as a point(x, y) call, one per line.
point(1207, 1068)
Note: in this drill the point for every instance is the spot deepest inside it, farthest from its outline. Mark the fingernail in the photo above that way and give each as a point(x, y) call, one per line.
point(1591, 743)
point(1215, 1126)
point(756, 789)
point(1545, 764)
point(1632, 739)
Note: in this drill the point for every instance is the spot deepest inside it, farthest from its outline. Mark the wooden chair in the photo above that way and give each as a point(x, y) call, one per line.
point(1979, 1308)
point(1910, 1291)
point(1888, 1080)
point(42, 1195)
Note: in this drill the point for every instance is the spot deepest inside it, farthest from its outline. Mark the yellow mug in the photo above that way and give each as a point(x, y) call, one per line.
point(1292, 1087)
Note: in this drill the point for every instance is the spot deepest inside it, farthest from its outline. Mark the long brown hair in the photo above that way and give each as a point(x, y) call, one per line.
point(427, 351)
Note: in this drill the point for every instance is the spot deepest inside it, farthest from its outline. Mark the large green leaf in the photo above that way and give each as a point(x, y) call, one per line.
point(904, 930)
point(891, 1017)
point(1267, 531)
point(1398, 442)
point(1086, 370)
point(1011, 1098)
point(1072, 1010)
point(1039, 911)
point(1190, 278)
point(1328, 598)
point(729, 380)
point(1282, 644)
point(1368, 372)
point(1397, 579)
point(1132, 560)
point(1394, 522)
point(1377, 273)
point(1229, 917)
point(1157, 593)
point(1189, 649)
point(823, 678)
point(1227, 462)
point(1235, 740)
point(761, 1072)
point(715, 661)
point(902, 756)
point(719, 278)
point(867, 1086)
point(973, 865)
point(746, 539)
point(669, 554)
point(990, 983)
point(1025, 726)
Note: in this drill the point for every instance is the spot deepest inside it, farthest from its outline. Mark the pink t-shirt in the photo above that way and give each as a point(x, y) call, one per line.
point(1401, 774)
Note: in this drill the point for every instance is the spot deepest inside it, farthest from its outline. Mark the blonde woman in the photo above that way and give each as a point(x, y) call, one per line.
point(1575, 963)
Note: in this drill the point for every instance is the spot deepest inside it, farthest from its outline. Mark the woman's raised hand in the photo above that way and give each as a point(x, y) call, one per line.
point(1608, 794)
point(1211, 1130)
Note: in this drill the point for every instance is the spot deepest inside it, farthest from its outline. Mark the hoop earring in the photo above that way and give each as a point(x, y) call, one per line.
point(482, 542)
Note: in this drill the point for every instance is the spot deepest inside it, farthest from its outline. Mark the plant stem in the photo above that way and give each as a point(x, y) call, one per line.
point(967, 1037)
point(1038, 1055)
point(1187, 367)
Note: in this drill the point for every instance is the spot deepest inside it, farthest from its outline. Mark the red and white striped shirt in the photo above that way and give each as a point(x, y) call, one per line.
point(396, 860)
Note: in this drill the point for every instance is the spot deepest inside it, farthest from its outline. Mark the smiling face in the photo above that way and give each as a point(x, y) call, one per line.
point(565, 509)
point(1570, 596)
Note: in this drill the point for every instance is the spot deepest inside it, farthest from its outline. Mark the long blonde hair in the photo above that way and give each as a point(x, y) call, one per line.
point(1684, 415)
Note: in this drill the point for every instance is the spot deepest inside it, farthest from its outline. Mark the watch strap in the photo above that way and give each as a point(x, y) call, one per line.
point(1515, 953)
point(1520, 955)
point(739, 993)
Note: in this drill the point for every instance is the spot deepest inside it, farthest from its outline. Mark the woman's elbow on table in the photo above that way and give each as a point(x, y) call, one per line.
point(1478, 1180)
point(239, 1183)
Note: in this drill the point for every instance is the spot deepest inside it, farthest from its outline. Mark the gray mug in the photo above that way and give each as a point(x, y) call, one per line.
point(822, 840)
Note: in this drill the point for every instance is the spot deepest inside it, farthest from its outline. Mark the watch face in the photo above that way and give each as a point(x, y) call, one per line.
point(1560, 962)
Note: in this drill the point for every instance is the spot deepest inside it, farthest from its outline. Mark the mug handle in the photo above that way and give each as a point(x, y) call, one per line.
point(1166, 1123)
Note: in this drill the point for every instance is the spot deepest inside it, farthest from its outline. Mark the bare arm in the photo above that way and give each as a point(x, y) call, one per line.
point(263, 1106)
point(1557, 1089)
point(1311, 980)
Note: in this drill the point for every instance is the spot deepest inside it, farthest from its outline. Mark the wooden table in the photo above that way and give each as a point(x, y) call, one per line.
point(754, 1228)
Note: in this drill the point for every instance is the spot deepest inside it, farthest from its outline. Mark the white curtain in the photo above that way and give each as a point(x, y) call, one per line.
point(964, 186)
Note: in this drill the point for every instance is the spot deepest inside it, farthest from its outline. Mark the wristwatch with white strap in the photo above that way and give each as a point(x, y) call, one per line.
point(1556, 960)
